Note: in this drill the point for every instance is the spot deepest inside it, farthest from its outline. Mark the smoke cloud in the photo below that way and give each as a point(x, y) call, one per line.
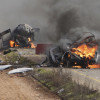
point(55, 18)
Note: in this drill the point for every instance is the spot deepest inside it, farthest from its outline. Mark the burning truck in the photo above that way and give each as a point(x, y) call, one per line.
point(22, 36)
point(80, 54)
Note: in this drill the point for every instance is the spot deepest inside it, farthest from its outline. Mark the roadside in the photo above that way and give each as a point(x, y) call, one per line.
point(87, 76)
point(62, 83)
point(13, 87)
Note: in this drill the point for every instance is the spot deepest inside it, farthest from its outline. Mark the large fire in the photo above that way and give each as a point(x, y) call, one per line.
point(14, 44)
point(87, 52)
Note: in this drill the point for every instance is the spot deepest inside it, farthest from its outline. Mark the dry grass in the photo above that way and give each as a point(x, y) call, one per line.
point(15, 59)
point(62, 84)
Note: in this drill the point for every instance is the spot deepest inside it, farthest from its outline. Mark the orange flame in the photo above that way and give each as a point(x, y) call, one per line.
point(89, 66)
point(32, 44)
point(85, 51)
point(13, 44)
point(29, 39)
point(77, 67)
point(94, 66)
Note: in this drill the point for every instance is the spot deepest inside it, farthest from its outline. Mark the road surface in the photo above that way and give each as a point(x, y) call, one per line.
point(90, 77)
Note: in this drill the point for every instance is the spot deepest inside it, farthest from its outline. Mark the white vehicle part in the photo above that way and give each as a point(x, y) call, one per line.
point(2, 67)
point(20, 70)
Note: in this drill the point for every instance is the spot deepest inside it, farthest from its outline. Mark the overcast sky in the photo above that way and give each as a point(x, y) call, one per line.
point(37, 13)
point(14, 12)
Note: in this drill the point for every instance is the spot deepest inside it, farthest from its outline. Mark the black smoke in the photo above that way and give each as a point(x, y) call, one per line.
point(55, 18)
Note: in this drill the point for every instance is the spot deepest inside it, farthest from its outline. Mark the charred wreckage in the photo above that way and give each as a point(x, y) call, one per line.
point(80, 54)
point(21, 36)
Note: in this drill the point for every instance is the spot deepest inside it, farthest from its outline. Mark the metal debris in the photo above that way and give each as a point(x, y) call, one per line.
point(65, 53)
point(61, 90)
point(2, 67)
point(20, 70)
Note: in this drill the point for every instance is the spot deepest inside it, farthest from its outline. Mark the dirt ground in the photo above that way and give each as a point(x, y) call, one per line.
point(13, 87)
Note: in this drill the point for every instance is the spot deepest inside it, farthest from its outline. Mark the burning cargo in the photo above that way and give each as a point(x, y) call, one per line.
point(80, 54)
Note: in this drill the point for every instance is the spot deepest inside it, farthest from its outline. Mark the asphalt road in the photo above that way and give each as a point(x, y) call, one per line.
point(89, 77)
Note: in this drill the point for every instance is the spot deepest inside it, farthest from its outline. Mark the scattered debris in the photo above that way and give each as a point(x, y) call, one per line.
point(20, 70)
point(2, 67)
point(61, 90)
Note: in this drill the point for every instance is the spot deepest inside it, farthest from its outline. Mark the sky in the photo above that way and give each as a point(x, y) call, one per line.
point(48, 15)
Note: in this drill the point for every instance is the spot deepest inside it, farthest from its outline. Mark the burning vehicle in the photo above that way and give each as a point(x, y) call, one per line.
point(22, 36)
point(79, 54)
